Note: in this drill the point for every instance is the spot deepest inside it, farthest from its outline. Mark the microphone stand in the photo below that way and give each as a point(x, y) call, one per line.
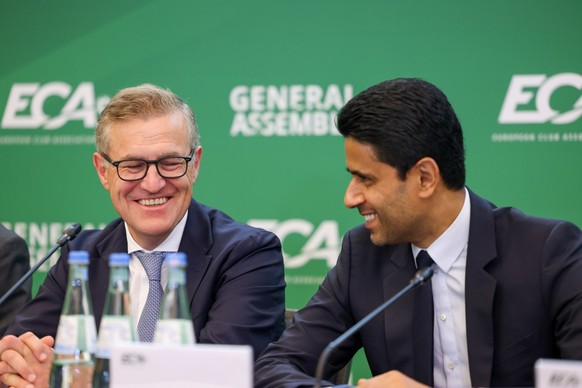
point(70, 233)
point(420, 278)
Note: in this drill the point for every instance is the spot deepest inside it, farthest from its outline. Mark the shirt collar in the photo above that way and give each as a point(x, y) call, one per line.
point(170, 244)
point(447, 248)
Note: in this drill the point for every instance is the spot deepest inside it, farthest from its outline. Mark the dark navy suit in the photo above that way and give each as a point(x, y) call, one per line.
point(523, 301)
point(235, 280)
point(14, 263)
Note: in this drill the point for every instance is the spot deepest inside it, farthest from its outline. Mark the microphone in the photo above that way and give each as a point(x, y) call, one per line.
point(420, 278)
point(69, 234)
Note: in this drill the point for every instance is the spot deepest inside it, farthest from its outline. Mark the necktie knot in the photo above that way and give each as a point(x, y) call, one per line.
point(152, 263)
point(423, 259)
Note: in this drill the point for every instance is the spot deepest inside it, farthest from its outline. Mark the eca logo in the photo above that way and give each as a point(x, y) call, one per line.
point(540, 88)
point(25, 108)
point(322, 242)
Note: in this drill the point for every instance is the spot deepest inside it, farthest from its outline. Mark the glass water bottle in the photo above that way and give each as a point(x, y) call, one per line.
point(73, 360)
point(116, 323)
point(174, 325)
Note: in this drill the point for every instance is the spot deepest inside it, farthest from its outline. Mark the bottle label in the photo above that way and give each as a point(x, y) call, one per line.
point(113, 329)
point(76, 332)
point(174, 331)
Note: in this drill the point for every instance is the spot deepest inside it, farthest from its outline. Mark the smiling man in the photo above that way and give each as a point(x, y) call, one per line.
point(506, 288)
point(148, 158)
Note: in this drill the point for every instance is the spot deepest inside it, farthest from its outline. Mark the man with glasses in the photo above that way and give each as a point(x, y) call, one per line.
point(148, 158)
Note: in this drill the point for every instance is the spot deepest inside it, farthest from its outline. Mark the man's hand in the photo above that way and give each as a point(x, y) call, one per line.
point(25, 361)
point(392, 379)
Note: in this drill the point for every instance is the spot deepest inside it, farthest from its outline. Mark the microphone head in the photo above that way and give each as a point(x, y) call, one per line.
point(70, 233)
point(422, 275)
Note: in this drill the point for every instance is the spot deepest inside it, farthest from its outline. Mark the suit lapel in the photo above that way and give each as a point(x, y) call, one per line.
point(196, 242)
point(480, 291)
point(398, 317)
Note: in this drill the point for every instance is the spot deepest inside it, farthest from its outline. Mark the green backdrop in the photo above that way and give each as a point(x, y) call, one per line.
point(265, 79)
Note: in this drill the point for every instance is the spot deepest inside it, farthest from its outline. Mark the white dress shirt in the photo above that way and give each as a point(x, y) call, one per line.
point(449, 252)
point(138, 279)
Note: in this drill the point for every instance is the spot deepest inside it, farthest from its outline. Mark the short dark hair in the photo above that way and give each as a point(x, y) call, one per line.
point(404, 120)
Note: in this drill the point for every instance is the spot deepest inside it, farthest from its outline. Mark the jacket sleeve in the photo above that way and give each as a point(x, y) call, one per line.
point(41, 315)
point(292, 361)
point(561, 278)
point(247, 301)
point(14, 263)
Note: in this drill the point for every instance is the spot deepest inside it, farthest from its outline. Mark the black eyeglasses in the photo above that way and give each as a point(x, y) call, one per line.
point(170, 167)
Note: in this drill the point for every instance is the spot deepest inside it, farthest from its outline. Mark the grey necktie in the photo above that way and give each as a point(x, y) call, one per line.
point(152, 263)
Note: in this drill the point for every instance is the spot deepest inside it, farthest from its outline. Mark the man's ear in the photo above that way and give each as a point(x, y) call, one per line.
point(101, 168)
point(429, 176)
point(196, 163)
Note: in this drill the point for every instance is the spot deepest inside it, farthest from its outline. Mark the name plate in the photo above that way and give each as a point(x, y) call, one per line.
point(550, 373)
point(142, 365)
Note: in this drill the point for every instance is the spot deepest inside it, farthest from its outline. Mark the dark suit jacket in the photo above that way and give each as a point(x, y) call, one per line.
point(523, 301)
point(14, 263)
point(235, 280)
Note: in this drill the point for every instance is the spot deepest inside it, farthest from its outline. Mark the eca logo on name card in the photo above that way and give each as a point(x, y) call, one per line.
point(529, 99)
point(28, 103)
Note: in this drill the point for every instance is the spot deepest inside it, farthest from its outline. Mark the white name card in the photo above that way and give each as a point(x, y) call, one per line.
point(142, 365)
point(550, 373)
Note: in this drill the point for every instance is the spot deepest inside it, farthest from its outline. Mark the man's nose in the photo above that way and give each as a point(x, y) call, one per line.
point(353, 196)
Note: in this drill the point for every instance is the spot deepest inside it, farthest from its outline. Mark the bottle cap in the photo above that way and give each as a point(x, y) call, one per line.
point(176, 259)
point(118, 259)
point(78, 257)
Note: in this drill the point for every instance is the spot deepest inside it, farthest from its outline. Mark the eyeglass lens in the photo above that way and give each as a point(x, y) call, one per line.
point(173, 167)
